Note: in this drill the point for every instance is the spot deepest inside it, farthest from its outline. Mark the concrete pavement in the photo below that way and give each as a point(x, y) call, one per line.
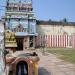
point(50, 64)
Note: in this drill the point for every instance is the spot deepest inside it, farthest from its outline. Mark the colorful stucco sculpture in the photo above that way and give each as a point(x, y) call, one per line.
point(10, 40)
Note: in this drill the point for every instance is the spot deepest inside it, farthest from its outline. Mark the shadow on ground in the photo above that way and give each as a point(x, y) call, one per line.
point(43, 71)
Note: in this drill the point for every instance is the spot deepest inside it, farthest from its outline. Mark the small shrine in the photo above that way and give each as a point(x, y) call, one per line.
point(22, 63)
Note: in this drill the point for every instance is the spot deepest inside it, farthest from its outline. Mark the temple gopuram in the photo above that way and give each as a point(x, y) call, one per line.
point(20, 19)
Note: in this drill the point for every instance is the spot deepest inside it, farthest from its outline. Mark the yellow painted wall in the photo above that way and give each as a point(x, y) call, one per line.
point(55, 29)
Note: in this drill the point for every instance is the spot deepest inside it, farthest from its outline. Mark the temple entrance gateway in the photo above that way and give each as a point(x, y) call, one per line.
point(26, 42)
point(22, 68)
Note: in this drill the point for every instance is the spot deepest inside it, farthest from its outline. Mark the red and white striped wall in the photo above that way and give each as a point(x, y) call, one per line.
point(55, 41)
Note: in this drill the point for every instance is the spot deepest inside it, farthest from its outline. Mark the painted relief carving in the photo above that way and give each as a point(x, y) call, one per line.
point(10, 36)
point(19, 28)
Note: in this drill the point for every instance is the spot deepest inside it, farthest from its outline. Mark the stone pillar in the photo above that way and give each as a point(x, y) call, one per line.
point(26, 43)
point(34, 42)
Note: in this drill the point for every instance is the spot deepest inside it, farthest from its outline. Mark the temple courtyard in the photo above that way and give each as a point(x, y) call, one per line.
point(51, 64)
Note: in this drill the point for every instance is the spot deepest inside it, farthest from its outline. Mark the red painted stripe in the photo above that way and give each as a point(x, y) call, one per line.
point(56, 40)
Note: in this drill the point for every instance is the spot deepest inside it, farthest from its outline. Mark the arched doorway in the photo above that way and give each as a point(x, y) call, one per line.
point(22, 68)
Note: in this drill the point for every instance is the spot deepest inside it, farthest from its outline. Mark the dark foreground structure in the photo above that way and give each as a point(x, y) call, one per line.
point(21, 63)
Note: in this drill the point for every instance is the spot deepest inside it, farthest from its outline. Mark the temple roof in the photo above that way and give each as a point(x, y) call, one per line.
point(19, 1)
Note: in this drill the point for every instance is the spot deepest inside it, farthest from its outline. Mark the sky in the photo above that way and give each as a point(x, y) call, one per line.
point(50, 9)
